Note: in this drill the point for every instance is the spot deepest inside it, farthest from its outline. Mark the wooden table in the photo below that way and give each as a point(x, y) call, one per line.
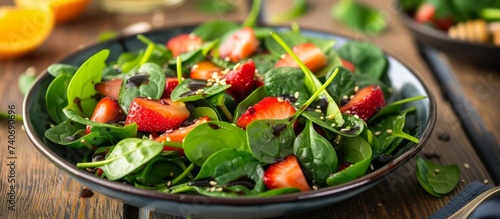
point(44, 191)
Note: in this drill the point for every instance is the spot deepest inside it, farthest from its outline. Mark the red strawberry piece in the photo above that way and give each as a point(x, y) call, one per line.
point(286, 173)
point(365, 102)
point(240, 45)
point(106, 110)
point(109, 88)
point(310, 54)
point(170, 84)
point(348, 65)
point(178, 135)
point(267, 108)
point(241, 78)
point(204, 70)
point(184, 43)
point(425, 13)
point(156, 115)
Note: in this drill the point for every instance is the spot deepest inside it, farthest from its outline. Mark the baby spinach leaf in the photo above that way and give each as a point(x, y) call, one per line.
point(389, 129)
point(210, 137)
point(191, 90)
point(252, 99)
point(316, 154)
point(437, 179)
point(394, 108)
point(72, 134)
point(59, 69)
point(128, 155)
point(148, 82)
point(279, 191)
point(56, 99)
point(81, 89)
point(110, 132)
point(198, 112)
point(228, 166)
point(351, 127)
point(212, 30)
point(158, 171)
point(264, 62)
point(342, 85)
point(299, 8)
point(369, 60)
point(270, 139)
point(223, 103)
point(359, 17)
point(286, 81)
point(357, 152)
point(26, 80)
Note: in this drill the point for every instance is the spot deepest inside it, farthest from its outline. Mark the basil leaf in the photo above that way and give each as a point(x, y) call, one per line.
point(149, 82)
point(81, 89)
point(316, 154)
point(210, 137)
point(270, 139)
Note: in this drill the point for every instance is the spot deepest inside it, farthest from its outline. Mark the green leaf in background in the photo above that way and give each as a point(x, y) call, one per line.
point(436, 179)
point(359, 17)
point(26, 79)
point(299, 8)
point(216, 6)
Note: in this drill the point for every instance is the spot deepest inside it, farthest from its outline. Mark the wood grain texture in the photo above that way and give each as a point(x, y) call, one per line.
point(43, 191)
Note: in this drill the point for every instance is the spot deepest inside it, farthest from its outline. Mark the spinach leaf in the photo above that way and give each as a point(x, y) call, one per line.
point(270, 139)
point(286, 81)
point(128, 155)
point(56, 99)
point(26, 80)
point(316, 154)
point(212, 30)
point(342, 85)
point(359, 17)
point(81, 92)
point(436, 179)
point(204, 111)
point(394, 108)
point(72, 134)
point(148, 82)
point(158, 171)
point(369, 60)
point(252, 99)
point(59, 69)
point(299, 8)
point(112, 133)
point(278, 191)
point(210, 137)
point(355, 151)
point(389, 129)
point(264, 62)
point(332, 62)
point(191, 90)
point(351, 127)
point(229, 166)
point(223, 103)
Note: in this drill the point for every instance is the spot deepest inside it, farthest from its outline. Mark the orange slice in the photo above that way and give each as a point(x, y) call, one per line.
point(23, 30)
point(64, 10)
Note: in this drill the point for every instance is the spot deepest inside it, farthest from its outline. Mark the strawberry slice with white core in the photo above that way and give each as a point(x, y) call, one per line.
point(286, 173)
point(267, 108)
point(156, 115)
point(365, 103)
point(310, 54)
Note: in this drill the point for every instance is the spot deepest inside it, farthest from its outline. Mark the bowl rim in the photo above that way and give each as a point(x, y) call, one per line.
point(367, 179)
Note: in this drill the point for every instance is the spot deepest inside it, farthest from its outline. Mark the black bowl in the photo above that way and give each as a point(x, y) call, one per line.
point(37, 121)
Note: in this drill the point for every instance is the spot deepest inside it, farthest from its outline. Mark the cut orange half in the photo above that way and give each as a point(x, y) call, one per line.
point(23, 30)
point(64, 10)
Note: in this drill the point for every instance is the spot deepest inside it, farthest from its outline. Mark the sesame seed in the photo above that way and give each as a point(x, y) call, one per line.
point(296, 103)
point(322, 117)
point(315, 187)
point(213, 183)
point(356, 116)
point(209, 84)
point(279, 99)
point(466, 165)
point(223, 82)
point(200, 90)
point(171, 174)
point(486, 181)
point(345, 129)
point(168, 138)
point(331, 116)
point(437, 170)
point(371, 167)
point(195, 66)
point(227, 59)
point(296, 95)
point(150, 136)
point(226, 71)
point(389, 131)
point(463, 180)
point(378, 133)
point(317, 110)
point(237, 66)
point(351, 97)
point(215, 75)
point(318, 107)
point(212, 189)
point(347, 112)
point(220, 189)
point(356, 89)
point(333, 125)
point(337, 139)
point(256, 71)
point(169, 183)
point(283, 56)
point(345, 97)
point(149, 98)
point(211, 80)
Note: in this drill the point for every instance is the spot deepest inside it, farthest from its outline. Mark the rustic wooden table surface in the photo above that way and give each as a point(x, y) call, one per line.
point(43, 191)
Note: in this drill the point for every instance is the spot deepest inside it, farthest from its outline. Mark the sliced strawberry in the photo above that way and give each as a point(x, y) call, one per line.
point(348, 65)
point(156, 115)
point(267, 108)
point(365, 102)
point(106, 110)
point(444, 23)
point(241, 78)
point(170, 84)
point(109, 88)
point(178, 135)
point(286, 173)
point(425, 13)
point(184, 43)
point(310, 54)
point(204, 70)
point(240, 45)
